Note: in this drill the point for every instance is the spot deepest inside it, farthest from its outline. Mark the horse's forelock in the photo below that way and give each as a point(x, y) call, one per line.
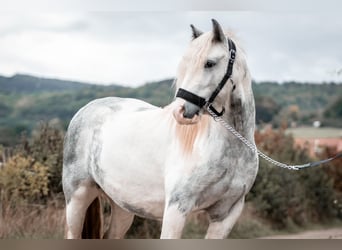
point(194, 57)
point(197, 52)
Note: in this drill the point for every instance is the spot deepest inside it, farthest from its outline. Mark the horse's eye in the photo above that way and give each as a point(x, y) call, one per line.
point(209, 64)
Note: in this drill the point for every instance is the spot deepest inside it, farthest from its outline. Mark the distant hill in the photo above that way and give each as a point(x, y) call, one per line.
point(299, 102)
point(26, 100)
point(307, 96)
point(28, 84)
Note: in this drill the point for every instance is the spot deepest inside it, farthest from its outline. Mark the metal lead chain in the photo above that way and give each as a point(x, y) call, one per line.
point(252, 146)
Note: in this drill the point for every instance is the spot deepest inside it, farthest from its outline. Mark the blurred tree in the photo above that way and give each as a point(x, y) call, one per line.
point(266, 108)
point(288, 198)
point(335, 109)
point(46, 147)
point(22, 179)
point(4, 110)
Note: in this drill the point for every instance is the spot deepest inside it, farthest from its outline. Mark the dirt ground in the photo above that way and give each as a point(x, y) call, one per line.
point(333, 233)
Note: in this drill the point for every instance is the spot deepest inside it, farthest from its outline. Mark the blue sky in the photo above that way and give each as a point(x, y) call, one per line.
point(135, 47)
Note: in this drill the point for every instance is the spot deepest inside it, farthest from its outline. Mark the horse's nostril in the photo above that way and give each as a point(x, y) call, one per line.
point(188, 115)
point(190, 110)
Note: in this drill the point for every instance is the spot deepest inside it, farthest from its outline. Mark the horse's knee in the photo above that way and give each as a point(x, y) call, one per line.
point(221, 223)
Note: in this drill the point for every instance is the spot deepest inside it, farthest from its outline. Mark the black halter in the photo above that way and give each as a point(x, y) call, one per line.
point(200, 101)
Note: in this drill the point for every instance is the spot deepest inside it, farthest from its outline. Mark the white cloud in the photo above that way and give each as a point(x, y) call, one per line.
point(134, 47)
point(174, 5)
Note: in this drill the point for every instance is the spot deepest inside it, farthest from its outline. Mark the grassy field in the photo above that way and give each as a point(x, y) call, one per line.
point(47, 222)
point(311, 132)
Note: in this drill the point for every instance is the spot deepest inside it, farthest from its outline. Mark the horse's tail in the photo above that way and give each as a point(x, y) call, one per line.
point(92, 227)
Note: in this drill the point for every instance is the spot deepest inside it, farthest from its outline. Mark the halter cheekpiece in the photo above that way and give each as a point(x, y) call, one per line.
point(200, 101)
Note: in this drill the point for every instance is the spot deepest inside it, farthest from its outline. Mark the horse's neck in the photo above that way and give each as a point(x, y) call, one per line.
point(241, 116)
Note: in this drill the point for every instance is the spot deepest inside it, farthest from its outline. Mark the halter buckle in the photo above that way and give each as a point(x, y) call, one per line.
point(232, 55)
point(217, 113)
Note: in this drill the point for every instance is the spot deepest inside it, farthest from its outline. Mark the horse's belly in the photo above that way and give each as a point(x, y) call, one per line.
point(138, 188)
point(142, 197)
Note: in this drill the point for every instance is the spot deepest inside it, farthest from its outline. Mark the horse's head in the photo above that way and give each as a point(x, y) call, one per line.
point(203, 67)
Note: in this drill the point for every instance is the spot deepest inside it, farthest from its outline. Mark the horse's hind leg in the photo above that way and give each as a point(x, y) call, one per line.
point(121, 220)
point(76, 208)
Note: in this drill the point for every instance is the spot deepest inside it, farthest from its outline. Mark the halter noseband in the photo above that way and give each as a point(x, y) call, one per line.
point(200, 101)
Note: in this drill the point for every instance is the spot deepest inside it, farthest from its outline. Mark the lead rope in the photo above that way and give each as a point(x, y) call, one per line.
point(254, 148)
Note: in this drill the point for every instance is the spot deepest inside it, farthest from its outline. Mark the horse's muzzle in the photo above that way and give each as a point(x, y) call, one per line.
point(187, 114)
point(190, 110)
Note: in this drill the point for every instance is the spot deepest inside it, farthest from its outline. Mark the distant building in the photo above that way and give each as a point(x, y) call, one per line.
point(316, 124)
point(316, 145)
point(316, 139)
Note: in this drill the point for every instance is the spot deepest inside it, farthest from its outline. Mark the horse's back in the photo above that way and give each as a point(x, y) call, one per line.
point(82, 138)
point(99, 108)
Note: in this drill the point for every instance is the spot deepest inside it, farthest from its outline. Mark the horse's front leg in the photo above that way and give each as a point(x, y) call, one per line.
point(221, 222)
point(173, 222)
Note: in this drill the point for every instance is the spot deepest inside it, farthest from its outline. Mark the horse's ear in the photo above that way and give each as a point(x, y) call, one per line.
point(195, 32)
point(218, 32)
